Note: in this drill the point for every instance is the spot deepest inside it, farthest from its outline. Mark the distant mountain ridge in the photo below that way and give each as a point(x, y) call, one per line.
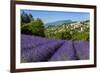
point(60, 22)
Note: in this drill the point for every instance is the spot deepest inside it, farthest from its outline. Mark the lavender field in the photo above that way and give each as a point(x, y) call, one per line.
point(54, 36)
point(39, 49)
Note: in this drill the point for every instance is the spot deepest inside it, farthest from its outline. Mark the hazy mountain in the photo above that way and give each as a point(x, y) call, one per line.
point(58, 23)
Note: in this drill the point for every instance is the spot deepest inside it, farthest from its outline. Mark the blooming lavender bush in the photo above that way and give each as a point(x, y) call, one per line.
point(65, 52)
point(39, 49)
point(28, 41)
point(42, 52)
point(82, 49)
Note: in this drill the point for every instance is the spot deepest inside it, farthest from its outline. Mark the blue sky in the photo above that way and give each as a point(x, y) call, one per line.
point(52, 16)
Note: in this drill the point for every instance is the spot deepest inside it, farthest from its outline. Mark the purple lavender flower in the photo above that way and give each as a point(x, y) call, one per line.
point(39, 49)
point(65, 52)
point(28, 41)
point(82, 49)
point(42, 52)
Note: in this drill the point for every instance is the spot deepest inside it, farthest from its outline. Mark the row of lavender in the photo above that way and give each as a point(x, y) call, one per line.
point(38, 49)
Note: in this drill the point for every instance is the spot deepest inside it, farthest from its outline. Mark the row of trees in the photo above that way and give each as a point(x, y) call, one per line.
point(31, 26)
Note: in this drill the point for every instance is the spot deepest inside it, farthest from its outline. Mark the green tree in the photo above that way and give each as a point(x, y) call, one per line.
point(24, 18)
point(31, 17)
point(35, 27)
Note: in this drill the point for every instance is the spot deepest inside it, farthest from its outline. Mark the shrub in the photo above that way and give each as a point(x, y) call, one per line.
point(33, 28)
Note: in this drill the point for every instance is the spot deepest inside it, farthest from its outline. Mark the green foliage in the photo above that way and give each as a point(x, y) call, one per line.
point(66, 35)
point(26, 18)
point(68, 32)
point(81, 36)
point(33, 28)
point(57, 36)
point(30, 17)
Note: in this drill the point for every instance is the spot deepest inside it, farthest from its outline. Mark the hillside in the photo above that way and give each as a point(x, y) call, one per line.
point(73, 31)
point(56, 23)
